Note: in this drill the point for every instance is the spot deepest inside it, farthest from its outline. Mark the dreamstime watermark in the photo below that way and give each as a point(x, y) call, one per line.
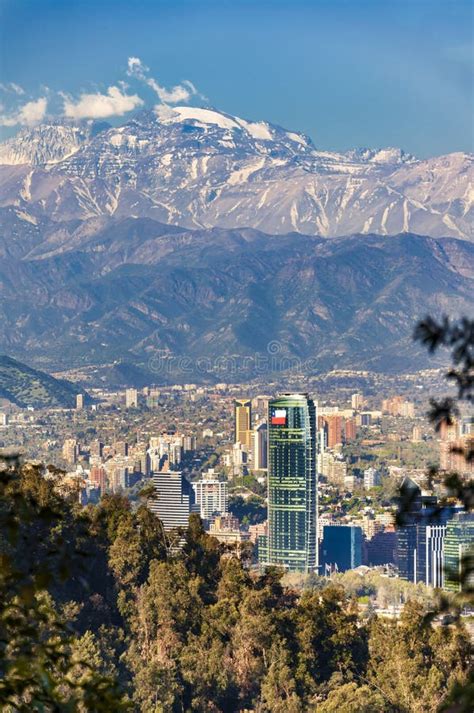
point(275, 359)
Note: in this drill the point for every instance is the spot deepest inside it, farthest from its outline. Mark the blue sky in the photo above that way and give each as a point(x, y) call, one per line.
point(347, 72)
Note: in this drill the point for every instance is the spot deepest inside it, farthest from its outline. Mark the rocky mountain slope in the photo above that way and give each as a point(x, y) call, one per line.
point(25, 386)
point(200, 168)
point(105, 289)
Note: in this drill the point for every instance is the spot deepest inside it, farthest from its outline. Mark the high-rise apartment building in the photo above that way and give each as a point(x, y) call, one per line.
point(172, 499)
point(332, 426)
point(121, 448)
point(243, 422)
point(96, 449)
point(458, 545)
point(98, 478)
point(79, 402)
point(371, 478)
point(211, 495)
point(357, 401)
point(350, 430)
point(292, 483)
point(131, 398)
point(70, 450)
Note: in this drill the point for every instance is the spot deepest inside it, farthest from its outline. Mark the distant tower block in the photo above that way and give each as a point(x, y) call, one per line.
point(79, 402)
point(131, 398)
point(243, 422)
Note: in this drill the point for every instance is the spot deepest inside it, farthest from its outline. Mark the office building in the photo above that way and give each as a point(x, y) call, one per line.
point(292, 483)
point(430, 548)
point(172, 500)
point(211, 495)
point(382, 547)
point(131, 398)
point(243, 422)
point(458, 546)
point(342, 547)
point(420, 540)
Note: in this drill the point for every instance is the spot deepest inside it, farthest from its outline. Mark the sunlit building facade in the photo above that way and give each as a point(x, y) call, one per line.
point(243, 422)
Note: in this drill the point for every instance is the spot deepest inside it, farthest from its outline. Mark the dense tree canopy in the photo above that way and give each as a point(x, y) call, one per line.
point(100, 611)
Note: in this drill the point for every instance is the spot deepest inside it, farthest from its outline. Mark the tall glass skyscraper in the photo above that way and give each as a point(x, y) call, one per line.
point(458, 552)
point(292, 483)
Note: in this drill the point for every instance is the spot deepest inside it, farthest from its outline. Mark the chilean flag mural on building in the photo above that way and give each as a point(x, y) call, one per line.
point(279, 417)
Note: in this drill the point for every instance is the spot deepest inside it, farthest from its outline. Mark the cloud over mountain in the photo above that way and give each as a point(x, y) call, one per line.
point(180, 93)
point(28, 114)
point(101, 106)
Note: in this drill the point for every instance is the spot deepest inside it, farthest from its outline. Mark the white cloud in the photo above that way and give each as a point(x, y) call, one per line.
point(27, 115)
point(12, 88)
point(101, 106)
point(179, 93)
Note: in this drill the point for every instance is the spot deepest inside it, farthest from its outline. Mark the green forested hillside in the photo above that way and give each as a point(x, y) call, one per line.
point(25, 386)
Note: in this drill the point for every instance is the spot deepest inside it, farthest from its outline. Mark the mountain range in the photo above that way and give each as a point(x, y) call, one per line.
point(133, 289)
point(201, 168)
point(177, 241)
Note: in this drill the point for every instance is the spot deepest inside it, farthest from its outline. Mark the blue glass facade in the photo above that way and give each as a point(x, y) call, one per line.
point(342, 547)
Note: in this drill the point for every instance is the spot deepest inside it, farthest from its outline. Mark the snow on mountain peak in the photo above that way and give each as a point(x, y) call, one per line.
point(201, 116)
point(48, 143)
point(387, 155)
point(199, 167)
point(258, 130)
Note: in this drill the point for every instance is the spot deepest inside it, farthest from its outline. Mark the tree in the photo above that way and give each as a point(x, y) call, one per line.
point(354, 698)
point(38, 549)
point(330, 639)
point(423, 665)
point(279, 687)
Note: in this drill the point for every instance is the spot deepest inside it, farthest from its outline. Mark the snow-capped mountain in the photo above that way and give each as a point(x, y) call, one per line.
point(201, 168)
point(48, 143)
